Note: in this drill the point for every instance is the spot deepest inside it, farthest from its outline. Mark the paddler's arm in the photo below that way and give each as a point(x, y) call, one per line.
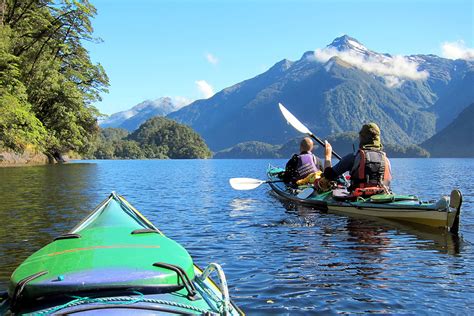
point(332, 173)
point(327, 155)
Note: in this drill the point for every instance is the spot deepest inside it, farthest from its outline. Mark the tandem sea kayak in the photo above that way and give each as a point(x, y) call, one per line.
point(116, 261)
point(408, 208)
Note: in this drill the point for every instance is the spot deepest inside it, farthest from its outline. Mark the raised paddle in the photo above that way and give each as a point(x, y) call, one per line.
point(248, 183)
point(293, 121)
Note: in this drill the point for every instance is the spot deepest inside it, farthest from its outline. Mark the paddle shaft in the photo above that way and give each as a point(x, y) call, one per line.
point(316, 138)
point(293, 121)
point(273, 181)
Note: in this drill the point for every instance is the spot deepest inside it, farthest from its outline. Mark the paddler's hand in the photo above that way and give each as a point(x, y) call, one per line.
point(328, 150)
point(324, 185)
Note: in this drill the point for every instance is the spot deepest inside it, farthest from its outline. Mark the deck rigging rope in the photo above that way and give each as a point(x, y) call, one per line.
point(125, 300)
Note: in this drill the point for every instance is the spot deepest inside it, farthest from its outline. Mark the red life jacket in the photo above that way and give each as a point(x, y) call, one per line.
point(371, 169)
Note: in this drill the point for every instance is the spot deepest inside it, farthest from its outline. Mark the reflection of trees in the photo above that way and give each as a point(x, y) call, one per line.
point(39, 203)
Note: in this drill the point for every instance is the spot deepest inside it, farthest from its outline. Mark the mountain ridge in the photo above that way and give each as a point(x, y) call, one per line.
point(132, 118)
point(333, 90)
point(335, 95)
point(456, 139)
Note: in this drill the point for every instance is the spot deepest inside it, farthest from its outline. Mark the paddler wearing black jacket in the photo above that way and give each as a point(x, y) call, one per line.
point(369, 167)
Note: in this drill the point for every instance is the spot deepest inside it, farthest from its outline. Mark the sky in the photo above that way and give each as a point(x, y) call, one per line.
point(192, 49)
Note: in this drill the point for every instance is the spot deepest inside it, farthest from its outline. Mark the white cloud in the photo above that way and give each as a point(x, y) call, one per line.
point(212, 59)
point(205, 88)
point(457, 50)
point(393, 69)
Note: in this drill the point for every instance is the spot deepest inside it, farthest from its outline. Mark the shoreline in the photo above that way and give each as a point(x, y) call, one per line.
point(27, 158)
point(9, 160)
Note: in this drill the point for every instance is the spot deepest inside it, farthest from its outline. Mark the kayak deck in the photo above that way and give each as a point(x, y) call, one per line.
point(116, 255)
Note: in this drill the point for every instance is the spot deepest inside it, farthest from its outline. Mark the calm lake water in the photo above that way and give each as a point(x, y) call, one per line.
point(280, 259)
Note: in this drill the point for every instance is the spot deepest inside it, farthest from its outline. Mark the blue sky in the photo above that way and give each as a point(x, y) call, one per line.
point(191, 49)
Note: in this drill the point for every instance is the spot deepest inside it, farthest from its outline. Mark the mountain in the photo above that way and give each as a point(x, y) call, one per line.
point(333, 90)
point(455, 140)
point(459, 93)
point(249, 150)
point(133, 118)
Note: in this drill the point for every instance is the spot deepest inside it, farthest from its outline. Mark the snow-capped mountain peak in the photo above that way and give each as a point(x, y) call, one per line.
point(393, 69)
point(142, 111)
point(346, 42)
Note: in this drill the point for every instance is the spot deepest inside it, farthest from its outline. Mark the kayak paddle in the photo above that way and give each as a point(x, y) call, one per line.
point(248, 183)
point(293, 121)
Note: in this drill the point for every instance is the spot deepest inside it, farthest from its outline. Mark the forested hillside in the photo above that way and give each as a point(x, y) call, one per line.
point(337, 89)
point(457, 139)
point(157, 138)
point(47, 80)
point(342, 143)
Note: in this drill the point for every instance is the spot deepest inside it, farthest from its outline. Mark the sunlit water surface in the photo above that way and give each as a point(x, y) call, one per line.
point(279, 258)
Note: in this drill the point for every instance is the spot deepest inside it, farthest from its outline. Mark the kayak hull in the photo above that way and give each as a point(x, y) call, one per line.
point(115, 255)
point(441, 213)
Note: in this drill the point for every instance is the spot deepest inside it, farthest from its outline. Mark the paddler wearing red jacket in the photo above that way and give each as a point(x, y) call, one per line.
point(369, 167)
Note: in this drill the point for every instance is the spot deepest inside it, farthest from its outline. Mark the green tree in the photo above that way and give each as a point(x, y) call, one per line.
point(128, 149)
point(60, 81)
point(18, 125)
point(164, 137)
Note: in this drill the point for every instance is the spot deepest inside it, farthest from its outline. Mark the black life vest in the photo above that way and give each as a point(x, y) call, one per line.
point(371, 169)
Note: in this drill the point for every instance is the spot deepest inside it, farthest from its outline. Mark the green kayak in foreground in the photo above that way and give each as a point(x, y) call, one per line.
point(443, 213)
point(116, 261)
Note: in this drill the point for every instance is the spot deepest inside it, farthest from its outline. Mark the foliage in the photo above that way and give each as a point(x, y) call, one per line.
point(113, 134)
point(46, 75)
point(342, 143)
point(128, 149)
point(18, 125)
point(161, 136)
point(252, 149)
point(158, 138)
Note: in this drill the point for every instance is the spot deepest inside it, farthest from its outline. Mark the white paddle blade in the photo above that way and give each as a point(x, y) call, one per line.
point(291, 119)
point(245, 183)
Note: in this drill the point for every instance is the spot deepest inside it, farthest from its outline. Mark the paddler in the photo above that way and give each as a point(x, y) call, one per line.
point(303, 164)
point(369, 167)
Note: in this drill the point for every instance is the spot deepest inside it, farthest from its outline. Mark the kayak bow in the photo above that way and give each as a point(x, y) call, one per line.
point(116, 259)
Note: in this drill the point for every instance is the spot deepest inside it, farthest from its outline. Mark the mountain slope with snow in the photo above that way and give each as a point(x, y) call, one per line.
point(134, 117)
point(331, 90)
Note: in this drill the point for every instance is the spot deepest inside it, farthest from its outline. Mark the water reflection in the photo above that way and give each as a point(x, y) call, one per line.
point(279, 258)
point(239, 205)
point(39, 203)
point(375, 234)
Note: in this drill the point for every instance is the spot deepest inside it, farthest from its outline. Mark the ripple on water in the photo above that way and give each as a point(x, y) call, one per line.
point(279, 258)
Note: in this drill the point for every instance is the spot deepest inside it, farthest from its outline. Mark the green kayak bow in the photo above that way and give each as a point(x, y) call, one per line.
point(116, 254)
